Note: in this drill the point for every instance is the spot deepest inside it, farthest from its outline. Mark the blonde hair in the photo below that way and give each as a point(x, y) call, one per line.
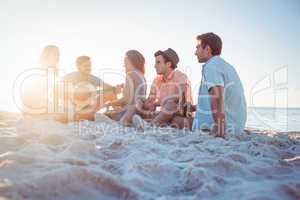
point(49, 53)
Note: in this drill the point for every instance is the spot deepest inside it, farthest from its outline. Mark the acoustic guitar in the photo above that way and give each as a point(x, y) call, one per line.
point(83, 98)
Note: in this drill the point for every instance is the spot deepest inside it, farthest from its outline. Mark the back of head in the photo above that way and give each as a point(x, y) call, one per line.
point(49, 57)
point(213, 41)
point(137, 60)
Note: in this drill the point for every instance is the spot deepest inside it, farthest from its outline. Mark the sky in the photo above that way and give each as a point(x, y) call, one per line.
point(260, 39)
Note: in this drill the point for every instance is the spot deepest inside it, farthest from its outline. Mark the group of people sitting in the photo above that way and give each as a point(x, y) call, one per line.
point(221, 106)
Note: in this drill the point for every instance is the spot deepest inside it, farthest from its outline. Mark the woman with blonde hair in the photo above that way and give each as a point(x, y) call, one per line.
point(40, 93)
point(49, 57)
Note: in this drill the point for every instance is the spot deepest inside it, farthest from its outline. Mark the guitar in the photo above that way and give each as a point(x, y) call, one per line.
point(83, 98)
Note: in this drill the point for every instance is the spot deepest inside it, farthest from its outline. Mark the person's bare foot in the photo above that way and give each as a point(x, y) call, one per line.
point(125, 121)
point(139, 123)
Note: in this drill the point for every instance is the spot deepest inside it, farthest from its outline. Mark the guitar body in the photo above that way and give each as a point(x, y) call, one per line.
point(86, 101)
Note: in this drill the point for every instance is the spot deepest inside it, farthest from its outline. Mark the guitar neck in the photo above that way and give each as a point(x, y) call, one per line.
point(106, 90)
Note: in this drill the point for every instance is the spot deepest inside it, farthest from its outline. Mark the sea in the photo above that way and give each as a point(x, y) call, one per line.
point(274, 119)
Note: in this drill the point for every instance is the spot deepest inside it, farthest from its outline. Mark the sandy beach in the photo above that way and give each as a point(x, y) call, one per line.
point(102, 160)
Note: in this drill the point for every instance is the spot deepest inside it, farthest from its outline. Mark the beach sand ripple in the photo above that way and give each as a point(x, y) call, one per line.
point(102, 160)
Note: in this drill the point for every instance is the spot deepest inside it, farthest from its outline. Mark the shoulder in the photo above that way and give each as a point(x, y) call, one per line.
point(96, 81)
point(178, 73)
point(135, 75)
point(94, 78)
point(215, 63)
point(157, 79)
point(180, 76)
point(71, 76)
point(132, 74)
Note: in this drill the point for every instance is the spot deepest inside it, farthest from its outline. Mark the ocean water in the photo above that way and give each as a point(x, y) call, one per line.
point(275, 119)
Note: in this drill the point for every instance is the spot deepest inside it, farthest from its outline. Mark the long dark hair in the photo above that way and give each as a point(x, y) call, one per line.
point(137, 59)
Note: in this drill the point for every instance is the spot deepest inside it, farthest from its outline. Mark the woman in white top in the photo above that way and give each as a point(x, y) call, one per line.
point(135, 84)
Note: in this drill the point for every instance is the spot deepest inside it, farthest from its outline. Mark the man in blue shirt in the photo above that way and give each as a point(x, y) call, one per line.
point(221, 104)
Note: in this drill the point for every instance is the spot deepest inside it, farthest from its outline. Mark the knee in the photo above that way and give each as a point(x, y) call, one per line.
point(170, 107)
point(176, 123)
point(182, 122)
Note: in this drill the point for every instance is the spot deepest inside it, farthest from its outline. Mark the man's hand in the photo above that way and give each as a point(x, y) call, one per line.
point(107, 104)
point(148, 105)
point(217, 107)
point(190, 107)
point(219, 129)
point(118, 88)
point(139, 104)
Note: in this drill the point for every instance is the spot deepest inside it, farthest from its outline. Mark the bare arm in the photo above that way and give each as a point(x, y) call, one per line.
point(191, 107)
point(150, 103)
point(188, 97)
point(104, 85)
point(128, 91)
point(217, 106)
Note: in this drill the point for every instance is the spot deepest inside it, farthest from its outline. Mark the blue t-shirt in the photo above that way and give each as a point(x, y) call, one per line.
point(217, 72)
